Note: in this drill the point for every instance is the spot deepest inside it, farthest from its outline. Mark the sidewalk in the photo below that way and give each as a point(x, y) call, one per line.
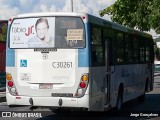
point(156, 74)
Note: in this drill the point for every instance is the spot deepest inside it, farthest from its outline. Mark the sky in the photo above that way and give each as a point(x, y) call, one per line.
point(10, 8)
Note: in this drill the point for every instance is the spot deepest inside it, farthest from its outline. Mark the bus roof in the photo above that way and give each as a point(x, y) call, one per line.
point(3, 20)
point(92, 19)
point(50, 14)
point(116, 26)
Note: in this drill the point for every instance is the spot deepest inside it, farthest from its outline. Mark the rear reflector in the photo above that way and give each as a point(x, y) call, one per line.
point(18, 97)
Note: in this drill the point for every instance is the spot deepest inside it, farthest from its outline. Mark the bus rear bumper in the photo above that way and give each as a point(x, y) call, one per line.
point(48, 101)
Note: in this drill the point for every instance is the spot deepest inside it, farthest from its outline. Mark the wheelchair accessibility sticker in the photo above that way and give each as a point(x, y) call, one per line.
point(23, 63)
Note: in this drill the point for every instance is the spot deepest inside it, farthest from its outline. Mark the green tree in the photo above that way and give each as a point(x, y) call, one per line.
point(141, 14)
point(3, 31)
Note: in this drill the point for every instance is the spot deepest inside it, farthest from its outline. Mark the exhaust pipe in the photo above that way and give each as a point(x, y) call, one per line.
point(31, 102)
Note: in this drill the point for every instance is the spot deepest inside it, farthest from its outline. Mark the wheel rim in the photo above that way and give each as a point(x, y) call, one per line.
point(119, 102)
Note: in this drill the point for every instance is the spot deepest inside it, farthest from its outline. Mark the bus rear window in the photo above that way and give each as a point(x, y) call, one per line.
point(69, 32)
point(47, 32)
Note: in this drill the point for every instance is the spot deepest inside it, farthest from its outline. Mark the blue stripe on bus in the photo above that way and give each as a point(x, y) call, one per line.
point(83, 54)
point(10, 58)
point(10, 54)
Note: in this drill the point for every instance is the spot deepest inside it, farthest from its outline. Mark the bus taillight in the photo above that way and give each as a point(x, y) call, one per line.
point(82, 86)
point(84, 78)
point(8, 77)
point(10, 84)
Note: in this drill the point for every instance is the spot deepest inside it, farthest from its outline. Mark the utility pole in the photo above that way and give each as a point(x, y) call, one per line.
point(71, 1)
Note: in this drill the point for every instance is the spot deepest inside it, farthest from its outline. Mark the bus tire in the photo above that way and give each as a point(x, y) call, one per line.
point(119, 100)
point(141, 98)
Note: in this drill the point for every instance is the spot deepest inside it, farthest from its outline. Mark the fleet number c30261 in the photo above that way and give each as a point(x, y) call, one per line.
point(62, 64)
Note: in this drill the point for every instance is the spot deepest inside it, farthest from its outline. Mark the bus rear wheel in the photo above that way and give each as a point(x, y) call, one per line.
point(141, 98)
point(119, 100)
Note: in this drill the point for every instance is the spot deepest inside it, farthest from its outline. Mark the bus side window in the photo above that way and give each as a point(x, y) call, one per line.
point(128, 48)
point(136, 49)
point(142, 49)
point(94, 56)
point(118, 48)
point(97, 48)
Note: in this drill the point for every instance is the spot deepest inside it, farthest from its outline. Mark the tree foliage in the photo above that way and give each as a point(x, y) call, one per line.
point(141, 14)
point(3, 31)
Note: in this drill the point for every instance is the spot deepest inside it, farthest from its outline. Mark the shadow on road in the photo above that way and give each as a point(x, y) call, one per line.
point(110, 115)
point(151, 104)
point(151, 107)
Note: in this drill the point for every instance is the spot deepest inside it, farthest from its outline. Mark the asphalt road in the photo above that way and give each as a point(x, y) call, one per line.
point(133, 110)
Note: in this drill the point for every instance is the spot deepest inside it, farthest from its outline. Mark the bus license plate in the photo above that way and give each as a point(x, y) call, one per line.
point(45, 86)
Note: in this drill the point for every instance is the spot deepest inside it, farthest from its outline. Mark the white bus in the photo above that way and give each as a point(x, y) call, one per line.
point(76, 61)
